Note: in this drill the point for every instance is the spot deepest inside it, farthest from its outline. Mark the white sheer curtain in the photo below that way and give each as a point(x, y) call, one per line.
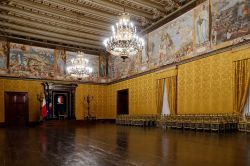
point(165, 105)
point(247, 105)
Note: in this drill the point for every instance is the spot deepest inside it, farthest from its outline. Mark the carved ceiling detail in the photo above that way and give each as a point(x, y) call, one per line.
point(79, 24)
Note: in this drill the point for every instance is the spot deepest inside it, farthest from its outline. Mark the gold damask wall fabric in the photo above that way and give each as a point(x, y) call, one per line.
point(32, 87)
point(142, 93)
point(160, 93)
point(98, 106)
point(171, 89)
point(203, 86)
point(241, 84)
point(206, 86)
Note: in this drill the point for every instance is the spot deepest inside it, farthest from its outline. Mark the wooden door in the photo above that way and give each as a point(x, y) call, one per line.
point(16, 108)
point(122, 102)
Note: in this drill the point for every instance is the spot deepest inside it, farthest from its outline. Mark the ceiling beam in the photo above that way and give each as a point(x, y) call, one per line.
point(87, 11)
point(51, 34)
point(52, 28)
point(101, 24)
point(48, 44)
point(49, 38)
point(119, 9)
point(168, 17)
point(148, 4)
point(56, 21)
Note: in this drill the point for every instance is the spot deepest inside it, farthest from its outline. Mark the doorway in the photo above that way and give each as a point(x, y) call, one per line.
point(61, 105)
point(61, 100)
point(122, 102)
point(16, 108)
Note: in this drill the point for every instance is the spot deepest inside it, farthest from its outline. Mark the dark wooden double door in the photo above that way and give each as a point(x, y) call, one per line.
point(16, 108)
point(122, 102)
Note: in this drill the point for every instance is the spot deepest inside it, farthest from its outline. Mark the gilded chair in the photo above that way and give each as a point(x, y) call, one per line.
point(248, 123)
point(187, 122)
point(193, 120)
point(215, 123)
point(179, 121)
point(242, 125)
point(206, 122)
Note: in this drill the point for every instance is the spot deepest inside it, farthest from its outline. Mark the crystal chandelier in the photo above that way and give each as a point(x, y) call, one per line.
point(79, 66)
point(124, 42)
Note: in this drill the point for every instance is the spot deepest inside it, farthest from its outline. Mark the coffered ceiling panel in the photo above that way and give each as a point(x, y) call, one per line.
point(79, 24)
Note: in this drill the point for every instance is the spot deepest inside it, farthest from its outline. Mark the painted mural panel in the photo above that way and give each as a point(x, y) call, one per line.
point(172, 42)
point(111, 68)
point(103, 66)
point(93, 62)
point(144, 56)
point(32, 62)
point(123, 68)
point(3, 54)
point(135, 64)
point(201, 21)
point(230, 19)
point(120, 68)
point(60, 62)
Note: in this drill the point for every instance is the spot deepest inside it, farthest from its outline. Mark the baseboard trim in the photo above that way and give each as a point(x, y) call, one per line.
point(106, 120)
point(97, 121)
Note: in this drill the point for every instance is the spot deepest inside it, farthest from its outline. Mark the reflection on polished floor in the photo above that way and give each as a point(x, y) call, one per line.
point(64, 143)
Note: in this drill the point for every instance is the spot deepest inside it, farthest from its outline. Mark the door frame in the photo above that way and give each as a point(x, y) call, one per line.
point(68, 98)
point(117, 100)
point(27, 104)
point(50, 87)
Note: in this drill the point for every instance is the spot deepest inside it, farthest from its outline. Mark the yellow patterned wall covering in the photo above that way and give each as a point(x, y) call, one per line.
point(142, 94)
point(32, 87)
point(206, 85)
point(98, 106)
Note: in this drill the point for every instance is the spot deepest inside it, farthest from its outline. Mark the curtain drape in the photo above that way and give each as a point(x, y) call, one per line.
point(171, 86)
point(241, 84)
point(160, 92)
point(246, 110)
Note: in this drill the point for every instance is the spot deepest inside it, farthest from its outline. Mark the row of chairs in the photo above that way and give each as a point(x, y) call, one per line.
point(208, 122)
point(137, 120)
point(244, 123)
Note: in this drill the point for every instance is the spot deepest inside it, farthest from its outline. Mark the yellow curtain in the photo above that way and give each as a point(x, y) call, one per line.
point(241, 84)
point(171, 87)
point(160, 92)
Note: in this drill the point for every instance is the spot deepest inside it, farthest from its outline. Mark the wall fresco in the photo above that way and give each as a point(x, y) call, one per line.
point(103, 66)
point(172, 42)
point(191, 34)
point(60, 68)
point(211, 25)
point(3, 54)
point(31, 62)
point(93, 62)
point(202, 23)
point(230, 20)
